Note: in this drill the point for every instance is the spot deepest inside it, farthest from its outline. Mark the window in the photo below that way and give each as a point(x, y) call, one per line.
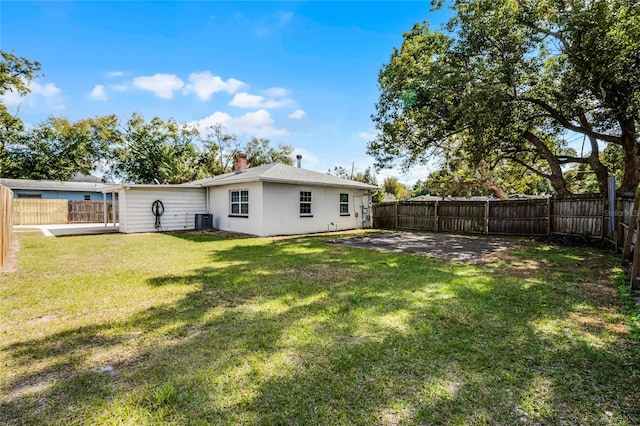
point(344, 204)
point(239, 203)
point(305, 203)
point(87, 197)
point(30, 196)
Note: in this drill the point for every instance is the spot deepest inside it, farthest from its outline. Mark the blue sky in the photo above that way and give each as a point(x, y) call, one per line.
point(302, 73)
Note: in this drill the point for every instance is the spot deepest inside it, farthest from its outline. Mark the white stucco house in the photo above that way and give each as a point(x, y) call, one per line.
point(273, 199)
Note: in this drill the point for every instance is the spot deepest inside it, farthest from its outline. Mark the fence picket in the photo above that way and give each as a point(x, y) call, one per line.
point(6, 222)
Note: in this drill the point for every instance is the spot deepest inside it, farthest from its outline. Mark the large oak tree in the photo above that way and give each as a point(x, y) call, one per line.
point(512, 80)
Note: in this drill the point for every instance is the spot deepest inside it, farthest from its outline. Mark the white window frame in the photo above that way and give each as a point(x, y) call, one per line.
point(306, 203)
point(344, 204)
point(239, 198)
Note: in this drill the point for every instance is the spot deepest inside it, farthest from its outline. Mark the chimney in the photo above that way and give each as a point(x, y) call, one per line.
point(299, 160)
point(240, 162)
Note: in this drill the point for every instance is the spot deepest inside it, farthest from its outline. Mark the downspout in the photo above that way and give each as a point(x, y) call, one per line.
point(206, 190)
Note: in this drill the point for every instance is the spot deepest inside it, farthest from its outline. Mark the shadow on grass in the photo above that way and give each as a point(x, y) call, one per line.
point(296, 331)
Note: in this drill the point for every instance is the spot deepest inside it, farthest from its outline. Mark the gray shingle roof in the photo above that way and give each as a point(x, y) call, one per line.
point(282, 173)
point(52, 185)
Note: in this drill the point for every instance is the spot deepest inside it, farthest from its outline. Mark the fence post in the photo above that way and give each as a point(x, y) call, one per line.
point(396, 214)
point(619, 218)
point(486, 217)
point(626, 249)
point(435, 216)
point(604, 207)
point(549, 215)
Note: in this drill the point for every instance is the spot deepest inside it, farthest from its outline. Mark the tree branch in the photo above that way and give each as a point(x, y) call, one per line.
point(566, 123)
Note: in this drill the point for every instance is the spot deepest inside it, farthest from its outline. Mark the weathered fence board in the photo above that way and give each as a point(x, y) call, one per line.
point(519, 217)
point(578, 216)
point(6, 222)
point(416, 215)
point(40, 212)
point(90, 211)
point(461, 216)
point(384, 216)
point(583, 215)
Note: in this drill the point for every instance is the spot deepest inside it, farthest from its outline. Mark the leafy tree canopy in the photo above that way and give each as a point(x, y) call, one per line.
point(15, 75)
point(509, 80)
point(58, 149)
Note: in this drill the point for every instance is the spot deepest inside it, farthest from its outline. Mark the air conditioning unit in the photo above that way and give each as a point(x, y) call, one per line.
point(204, 221)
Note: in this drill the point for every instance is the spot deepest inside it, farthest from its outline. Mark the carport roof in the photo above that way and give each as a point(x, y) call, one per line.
point(282, 173)
point(114, 188)
point(53, 185)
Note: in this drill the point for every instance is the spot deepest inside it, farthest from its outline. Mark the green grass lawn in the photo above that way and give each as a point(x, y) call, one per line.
point(206, 329)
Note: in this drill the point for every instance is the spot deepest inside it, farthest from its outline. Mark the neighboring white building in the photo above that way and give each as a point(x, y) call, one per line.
point(273, 199)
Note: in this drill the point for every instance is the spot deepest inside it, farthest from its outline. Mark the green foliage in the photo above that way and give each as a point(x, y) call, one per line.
point(58, 149)
point(260, 152)
point(155, 152)
point(507, 80)
point(161, 151)
point(16, 72)
point(392, 186)
point(15, 75)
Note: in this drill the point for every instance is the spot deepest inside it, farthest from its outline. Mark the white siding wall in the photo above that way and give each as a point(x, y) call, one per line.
point(282, 209)
point(122, 212)
point(219, 205)
point(180, 204)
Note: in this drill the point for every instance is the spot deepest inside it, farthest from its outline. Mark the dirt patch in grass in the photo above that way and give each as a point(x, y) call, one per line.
point(466, 248)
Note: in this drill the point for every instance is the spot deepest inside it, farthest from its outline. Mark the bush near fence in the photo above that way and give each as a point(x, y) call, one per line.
point(6, 221)
point(580, 215)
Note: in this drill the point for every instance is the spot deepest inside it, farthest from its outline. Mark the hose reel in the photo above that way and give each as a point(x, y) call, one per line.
point(157, 208)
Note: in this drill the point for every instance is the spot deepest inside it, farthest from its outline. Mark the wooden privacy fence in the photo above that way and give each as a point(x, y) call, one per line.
point(39, 212)
point(6, 222)
point(49, 212)
point(584, 215)
point(90, 211)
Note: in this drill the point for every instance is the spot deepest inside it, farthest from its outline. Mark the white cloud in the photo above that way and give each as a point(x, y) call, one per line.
point(118, 87)
point(98, 93)
point(112, 74)
point(162, 85)
point(367, 135)
point(276, 92)
point(258, 124)
point(204, 84)
point(49, 92)
point(12, 99)
point(297, 114)
point(245, 100)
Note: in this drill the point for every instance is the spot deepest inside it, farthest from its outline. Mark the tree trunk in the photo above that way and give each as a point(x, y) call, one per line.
point(556, 177)
point(496, 190)
point(631, 177)
point(601, 171)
